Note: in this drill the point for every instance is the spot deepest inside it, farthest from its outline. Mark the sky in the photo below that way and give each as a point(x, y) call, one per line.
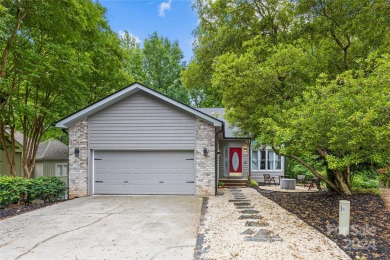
point(173, 19)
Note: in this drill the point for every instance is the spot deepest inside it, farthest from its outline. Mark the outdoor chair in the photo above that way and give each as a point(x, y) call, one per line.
point(268, 179)
point(314, 182)
point(301, 179)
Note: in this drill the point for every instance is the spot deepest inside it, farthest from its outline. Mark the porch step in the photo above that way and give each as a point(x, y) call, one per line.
point(234, 182)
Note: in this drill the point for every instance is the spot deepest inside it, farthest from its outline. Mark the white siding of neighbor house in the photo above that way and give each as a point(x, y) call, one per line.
point(4, 167)
point(48, 168)
point(141, 122)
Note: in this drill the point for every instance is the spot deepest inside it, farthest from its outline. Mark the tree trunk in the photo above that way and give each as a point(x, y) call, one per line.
point(331, 178)
point(337, 183)
point(342, 184)
point(9, 153)
point(19, 16)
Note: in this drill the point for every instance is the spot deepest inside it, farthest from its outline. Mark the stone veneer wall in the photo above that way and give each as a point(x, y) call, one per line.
point(78, 166)
point(205, 166)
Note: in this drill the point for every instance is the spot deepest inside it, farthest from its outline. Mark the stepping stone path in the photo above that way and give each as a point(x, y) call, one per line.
point(254, 233)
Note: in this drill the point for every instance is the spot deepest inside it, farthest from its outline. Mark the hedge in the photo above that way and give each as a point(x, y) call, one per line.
point(18, 190)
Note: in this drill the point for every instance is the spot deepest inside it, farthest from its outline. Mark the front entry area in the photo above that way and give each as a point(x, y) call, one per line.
point(143, 172)
point(235, 161)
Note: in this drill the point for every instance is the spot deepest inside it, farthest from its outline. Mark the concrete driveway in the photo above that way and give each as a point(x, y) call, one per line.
point(105, 227)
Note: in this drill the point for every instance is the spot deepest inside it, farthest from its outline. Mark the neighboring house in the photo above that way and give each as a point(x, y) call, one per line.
point(18, 155)
point(138, 141)
point(52, 160)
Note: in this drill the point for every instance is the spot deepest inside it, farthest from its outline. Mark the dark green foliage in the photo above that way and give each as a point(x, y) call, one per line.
point(306, 77)
point(12, 190)
point(56, 58)
point(365, 180)
point(18, 190)
point(46, 188)
point(293, 169)
point(157, 65)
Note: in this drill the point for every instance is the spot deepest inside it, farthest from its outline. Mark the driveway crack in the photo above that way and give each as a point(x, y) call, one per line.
point(109, 213)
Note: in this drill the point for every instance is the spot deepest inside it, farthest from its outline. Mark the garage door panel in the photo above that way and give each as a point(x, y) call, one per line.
point(146, 172)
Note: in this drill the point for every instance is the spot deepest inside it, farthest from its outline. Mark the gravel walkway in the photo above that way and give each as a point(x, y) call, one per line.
point(243, 224)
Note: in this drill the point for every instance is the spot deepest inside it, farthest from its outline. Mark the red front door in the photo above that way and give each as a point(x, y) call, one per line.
point(235, 161)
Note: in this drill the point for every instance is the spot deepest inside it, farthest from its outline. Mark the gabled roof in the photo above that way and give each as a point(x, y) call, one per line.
point(219, 113)
point(124, 93)
point(18, 136)
point(52, 150)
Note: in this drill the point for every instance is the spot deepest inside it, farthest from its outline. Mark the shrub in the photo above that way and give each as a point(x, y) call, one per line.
point(254, 184)
point(16, 189)
point(12, 190)
point(49, 188)
point(364, 180)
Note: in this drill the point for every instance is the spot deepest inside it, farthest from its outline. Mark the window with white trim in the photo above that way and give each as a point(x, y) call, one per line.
point(62, 169)
point(266, 159)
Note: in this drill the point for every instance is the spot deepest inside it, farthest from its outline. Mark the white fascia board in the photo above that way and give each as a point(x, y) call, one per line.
point(112, 99)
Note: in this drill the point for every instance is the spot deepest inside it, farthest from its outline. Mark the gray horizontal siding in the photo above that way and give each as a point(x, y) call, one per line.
point(141, 122)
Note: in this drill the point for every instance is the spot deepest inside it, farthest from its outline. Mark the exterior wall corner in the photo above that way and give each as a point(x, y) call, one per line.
point(205, 165)
point(78, 165)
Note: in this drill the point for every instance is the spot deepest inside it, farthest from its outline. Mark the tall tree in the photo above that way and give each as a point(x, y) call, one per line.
point(54, 55)
point(163, 63)
point(225, 26)
point(299, 79)
point(157, 65)
point(133, 56)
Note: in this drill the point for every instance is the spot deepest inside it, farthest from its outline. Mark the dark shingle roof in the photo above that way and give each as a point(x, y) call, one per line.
point(219, 113)
point(52, 150)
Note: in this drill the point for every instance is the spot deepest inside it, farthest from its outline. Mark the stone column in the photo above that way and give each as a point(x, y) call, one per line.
point(78, 165)
point(205, 165)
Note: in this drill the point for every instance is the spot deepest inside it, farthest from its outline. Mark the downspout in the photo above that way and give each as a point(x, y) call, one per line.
point(66, 132)
point(285, 164)
point(250, 159)
point(216, 160)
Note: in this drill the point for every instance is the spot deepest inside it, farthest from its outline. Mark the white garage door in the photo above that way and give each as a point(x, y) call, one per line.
point(146, 172)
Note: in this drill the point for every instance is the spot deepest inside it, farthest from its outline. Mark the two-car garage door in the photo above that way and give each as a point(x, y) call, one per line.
point(144, 172)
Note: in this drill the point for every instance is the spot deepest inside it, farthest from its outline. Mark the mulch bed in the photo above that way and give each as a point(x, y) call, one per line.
point(17, 209)
point(369, 225)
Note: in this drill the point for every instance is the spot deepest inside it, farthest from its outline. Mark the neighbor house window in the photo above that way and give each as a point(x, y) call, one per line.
point(266, 160)
point(61, 169)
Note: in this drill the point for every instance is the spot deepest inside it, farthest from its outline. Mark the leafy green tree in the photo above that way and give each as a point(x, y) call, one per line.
point(57, 56)
point(157, 65)
point(225, 26)
point(298, 77)
point(341, 32)
point(162, 63)
point(133, 56)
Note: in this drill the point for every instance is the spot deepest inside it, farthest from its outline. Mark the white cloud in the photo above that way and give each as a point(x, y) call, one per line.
point(164, 6)
point(122, 35)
